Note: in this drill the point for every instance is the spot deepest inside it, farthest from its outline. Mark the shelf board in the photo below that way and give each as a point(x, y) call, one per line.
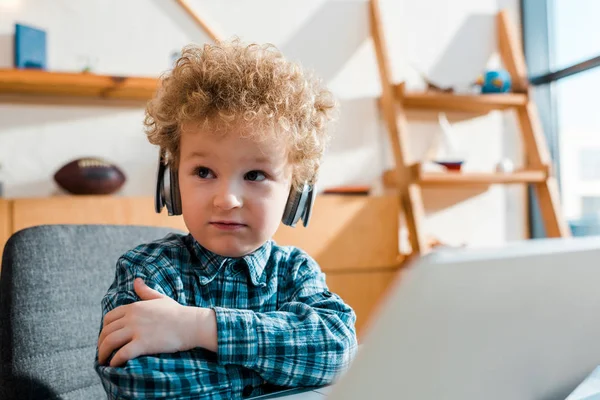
point(480, 178)
point(476, 103)
point(39, 86)
point(468, 179)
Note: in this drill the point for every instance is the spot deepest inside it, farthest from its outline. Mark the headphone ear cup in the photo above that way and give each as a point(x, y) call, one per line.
point(298, 206)
point(159, 200)
point(176, 208)
point(167, 188)
point(310, 201)
point(290, 212)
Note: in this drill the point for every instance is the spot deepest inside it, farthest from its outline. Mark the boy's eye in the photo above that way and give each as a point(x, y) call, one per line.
point(204, 173)
point(255, 176)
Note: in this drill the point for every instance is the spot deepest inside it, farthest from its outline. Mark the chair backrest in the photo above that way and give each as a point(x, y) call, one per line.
point(53, 278)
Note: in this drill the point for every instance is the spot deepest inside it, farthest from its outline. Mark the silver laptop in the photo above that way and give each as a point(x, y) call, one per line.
point(520, 321)
point(308, 393)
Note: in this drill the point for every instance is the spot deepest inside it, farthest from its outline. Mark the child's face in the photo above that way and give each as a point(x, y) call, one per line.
point(233, 189)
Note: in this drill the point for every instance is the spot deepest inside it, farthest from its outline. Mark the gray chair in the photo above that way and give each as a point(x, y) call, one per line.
point(53, 278)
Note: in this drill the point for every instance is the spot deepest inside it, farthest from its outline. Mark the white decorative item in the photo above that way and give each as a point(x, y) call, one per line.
point(505, 165)
point(449, 145)
point(446, 152)
point(443, 146)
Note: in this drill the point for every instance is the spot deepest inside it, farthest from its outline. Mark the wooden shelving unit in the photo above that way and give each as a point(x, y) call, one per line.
point(40, 86)
point(409, 179)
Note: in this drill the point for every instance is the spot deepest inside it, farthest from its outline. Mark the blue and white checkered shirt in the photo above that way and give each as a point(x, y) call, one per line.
point(277, 322)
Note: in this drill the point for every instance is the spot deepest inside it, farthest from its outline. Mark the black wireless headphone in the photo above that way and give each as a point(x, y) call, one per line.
point(298, 207)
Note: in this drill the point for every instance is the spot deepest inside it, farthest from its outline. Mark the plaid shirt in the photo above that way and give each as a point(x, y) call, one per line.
point(277, 323)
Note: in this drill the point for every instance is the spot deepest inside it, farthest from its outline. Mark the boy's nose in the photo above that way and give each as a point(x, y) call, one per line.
point(227, 201)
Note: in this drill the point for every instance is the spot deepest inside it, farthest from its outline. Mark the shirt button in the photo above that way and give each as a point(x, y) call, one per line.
point(247, 391)
point(327, 293)
point(237, 267)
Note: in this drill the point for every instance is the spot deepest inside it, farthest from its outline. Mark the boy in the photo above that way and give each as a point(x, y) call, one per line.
point(224, 311)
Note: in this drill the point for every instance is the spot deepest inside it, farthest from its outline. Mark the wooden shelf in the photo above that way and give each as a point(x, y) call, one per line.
point(38, 85)
point(482, 103)
point(480, 178)
point(468, 179)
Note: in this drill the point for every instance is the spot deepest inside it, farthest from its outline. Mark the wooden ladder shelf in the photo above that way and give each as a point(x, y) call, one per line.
point(410, 178)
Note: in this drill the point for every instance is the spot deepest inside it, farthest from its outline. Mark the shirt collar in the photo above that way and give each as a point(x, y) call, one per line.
point(255, 262)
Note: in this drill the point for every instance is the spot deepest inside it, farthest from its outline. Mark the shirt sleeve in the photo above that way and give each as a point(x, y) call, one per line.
point(180, 375)
point(308, 341)
point(121, 291)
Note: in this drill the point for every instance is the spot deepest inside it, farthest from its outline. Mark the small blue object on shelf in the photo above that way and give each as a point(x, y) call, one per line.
point(30, 47)
point(494, 81)
point(588, 225)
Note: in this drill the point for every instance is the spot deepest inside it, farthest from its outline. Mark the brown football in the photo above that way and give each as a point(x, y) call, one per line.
point(90, 176)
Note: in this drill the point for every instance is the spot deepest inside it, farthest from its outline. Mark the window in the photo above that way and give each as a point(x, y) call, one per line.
point(576, 33)
point(589, 158)
point(562, 47)
point(590, 205)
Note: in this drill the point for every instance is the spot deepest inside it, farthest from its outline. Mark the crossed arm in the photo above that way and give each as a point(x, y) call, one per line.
point(307, 341)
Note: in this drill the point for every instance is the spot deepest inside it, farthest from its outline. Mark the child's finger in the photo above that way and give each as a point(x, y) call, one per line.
point(112, 342)
point(114, 315)
point(110, 328)
point(129, 351)
point(144, 291)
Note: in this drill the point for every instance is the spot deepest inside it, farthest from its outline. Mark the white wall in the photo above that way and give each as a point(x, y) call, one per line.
point(451, 41)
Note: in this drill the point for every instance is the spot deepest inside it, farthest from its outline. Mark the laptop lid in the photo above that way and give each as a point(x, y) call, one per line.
point(520, 321)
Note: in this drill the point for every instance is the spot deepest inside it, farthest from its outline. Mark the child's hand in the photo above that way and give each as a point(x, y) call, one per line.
point(158, 324)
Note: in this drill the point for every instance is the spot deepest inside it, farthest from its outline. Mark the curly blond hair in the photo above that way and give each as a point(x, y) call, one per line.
point(228, 82)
